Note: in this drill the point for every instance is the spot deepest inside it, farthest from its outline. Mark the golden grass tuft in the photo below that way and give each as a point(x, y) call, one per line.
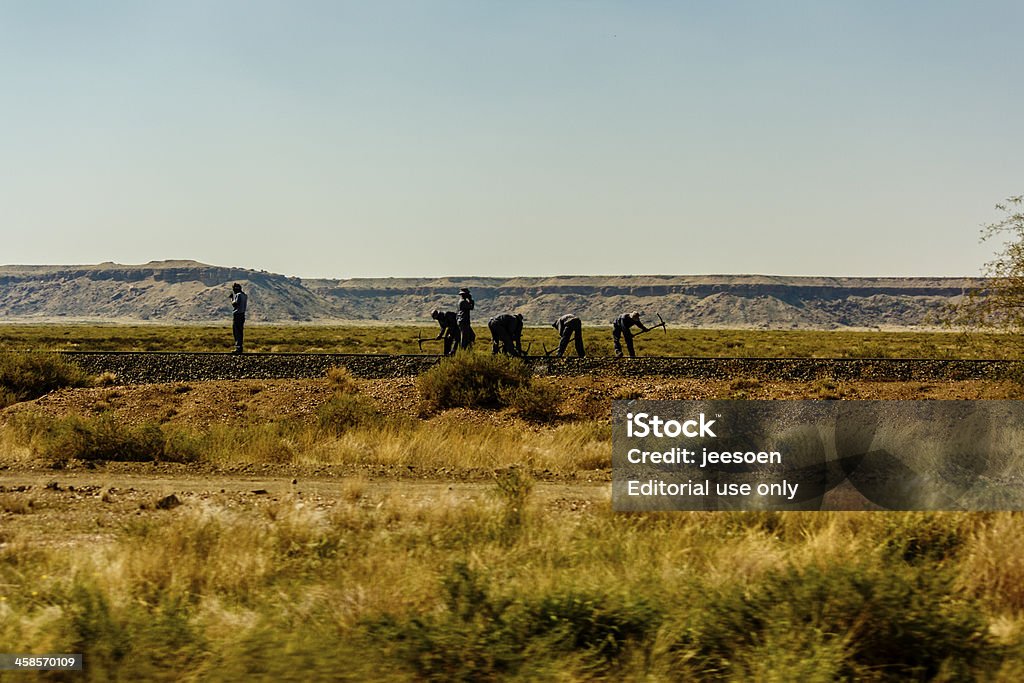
point(993, 564)
point(341, 381)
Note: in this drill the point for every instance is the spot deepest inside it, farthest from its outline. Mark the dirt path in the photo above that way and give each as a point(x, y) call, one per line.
point(328, 487)
point(79, 508)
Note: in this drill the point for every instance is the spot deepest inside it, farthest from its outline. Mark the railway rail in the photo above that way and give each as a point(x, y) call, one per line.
point(135, 367)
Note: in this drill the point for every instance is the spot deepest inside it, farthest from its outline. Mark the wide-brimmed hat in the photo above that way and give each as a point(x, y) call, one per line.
point(464, 290)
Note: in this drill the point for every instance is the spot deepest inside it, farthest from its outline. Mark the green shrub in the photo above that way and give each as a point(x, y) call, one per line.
point(99, 438)
point(536, 401)
point(925, 537)
point(599, 626)
point(94, 626)
point(345, 411)
point(25, 376)
point(512, 487)
point(895, 620)
point(471, 380)
point(480, 635)
point(183, 445)
point(466, 641)
point(7, 397)
point(128, 641)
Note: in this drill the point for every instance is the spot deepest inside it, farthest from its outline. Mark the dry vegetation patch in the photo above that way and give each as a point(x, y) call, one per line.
point(399, 338)
point(498, 582)
point(376, 426)
point(403, 570)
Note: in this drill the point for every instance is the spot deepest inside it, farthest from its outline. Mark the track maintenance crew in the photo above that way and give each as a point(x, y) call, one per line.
point(507, 333)
point(239, 302)
point(569, 326)
point(466, 304)
point(449, 323)
point(620, 328)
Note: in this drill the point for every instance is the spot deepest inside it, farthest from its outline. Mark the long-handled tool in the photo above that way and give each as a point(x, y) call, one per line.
point(661, 324)
point(546, 352)
point(420, 340)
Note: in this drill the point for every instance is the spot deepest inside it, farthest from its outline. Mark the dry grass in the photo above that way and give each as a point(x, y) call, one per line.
point(341, 381)
point(469, 446)
point(993, 564)
point(370, 584)
point(350, 432)
point(402, 339)
point(14, 504)
point(395, 588)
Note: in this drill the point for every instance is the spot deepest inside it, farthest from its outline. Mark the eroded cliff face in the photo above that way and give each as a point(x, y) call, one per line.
point(187, 291)
point(170, 291)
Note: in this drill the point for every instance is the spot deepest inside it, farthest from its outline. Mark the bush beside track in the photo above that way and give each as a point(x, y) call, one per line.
point(139, 368)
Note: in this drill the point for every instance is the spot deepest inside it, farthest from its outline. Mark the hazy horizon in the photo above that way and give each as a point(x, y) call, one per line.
point(417, 139)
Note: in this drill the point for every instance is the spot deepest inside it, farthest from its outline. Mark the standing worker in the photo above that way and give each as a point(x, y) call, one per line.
point(449, 330)
point(620, 328)
point(239, 301)
point(507, 332)
point(466, 304)
point(569, 326)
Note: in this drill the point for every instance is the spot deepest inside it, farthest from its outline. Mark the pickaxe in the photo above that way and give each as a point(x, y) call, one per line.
point(661, 324)
point(420, 340)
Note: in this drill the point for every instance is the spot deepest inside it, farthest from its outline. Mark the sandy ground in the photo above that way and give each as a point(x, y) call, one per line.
point(68, 509)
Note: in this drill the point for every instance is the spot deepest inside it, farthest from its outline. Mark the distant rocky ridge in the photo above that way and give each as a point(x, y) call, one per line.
point(187, 291)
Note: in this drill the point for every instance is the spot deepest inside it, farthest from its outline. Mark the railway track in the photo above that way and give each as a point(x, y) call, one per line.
point(144, 367)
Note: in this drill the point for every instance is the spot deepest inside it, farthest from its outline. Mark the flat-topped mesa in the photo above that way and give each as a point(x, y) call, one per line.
point(183, 290)
point(167, 271)
point(955, 287)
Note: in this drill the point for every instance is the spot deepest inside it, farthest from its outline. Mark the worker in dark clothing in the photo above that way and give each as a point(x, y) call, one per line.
point(449, 330)
point(507, 333)
point(239, 302)
point(620, 328)
point(568, 327)
point(466, 304)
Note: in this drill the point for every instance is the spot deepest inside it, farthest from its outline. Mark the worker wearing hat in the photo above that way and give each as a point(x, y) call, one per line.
point(239, 302)
point(466, 304)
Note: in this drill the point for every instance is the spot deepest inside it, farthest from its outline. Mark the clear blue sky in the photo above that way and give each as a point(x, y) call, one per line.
point(526, 137)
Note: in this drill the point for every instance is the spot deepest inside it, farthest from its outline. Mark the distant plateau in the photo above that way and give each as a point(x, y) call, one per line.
point(192, 292)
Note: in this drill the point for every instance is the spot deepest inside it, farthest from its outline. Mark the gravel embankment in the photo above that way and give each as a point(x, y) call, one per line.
point(177, 367)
